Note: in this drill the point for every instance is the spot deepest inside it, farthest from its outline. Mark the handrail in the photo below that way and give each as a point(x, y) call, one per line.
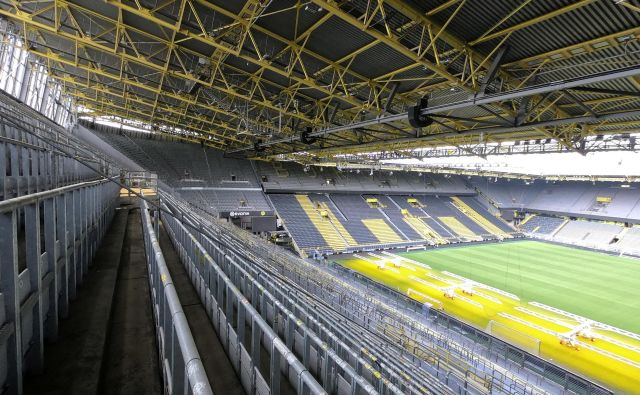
point(170, 319)
point(302, 314)
point(251, 314)
point(10, 204)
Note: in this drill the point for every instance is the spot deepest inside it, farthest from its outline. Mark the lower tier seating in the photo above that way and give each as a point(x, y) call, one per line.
point(341, 221)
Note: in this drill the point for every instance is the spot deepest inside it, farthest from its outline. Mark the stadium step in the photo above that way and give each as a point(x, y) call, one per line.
point(393, 224)
point(424, 230)
point(478, 218)
point(324, 226)
point(527, 219)
point(335, 221)
point(382, 231)
point(458, 228)
point(559, 228)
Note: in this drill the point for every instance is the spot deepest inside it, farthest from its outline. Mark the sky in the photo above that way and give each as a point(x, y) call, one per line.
point(611, 163)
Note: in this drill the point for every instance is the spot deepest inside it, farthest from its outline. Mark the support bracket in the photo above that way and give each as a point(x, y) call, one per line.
point(415, 117)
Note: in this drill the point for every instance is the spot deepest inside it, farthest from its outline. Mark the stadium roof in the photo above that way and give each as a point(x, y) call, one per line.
point(250, 76)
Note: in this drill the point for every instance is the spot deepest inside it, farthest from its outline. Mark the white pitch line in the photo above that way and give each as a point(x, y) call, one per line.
point(406, 259)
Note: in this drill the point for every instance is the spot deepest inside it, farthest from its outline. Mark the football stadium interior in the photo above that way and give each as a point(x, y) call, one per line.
point(319, 197)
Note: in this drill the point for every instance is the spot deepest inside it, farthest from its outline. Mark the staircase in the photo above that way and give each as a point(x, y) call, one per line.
point(338, 225)
point(395, 226)
point(527, 219)
point(382, 231)
point(458, 228)
point(324, 226)
point(478, 218)
point(424, 230)
point(562, 225)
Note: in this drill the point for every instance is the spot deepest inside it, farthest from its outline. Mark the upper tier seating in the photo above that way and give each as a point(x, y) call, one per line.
point(571, 197)
point(202, 175)
point(182, 164)
point(588, 232)
point(227, 200)
point(292, 177)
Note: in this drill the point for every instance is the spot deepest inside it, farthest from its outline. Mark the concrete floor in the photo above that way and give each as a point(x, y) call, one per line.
point(107, 345)
point(130, 363)
point(219, 370)
point(73, 363)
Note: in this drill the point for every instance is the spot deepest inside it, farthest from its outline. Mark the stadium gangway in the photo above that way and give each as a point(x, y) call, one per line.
point(181, 365)
point(72, 221)
point(432, 383)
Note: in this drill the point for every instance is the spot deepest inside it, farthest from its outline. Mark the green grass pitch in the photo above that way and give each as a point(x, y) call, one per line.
point(601, 287)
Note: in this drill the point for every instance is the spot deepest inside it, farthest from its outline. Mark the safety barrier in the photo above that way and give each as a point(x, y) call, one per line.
point(459, 356)
point(37, 154)
point(231, 308)
point(182, 367)
point(37, 281)
point(333, 349)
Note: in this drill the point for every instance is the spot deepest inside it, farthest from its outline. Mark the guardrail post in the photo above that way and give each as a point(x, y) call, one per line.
point(256, 335)
point(50, 237)
point(275, 369)
point(63, 228)
point(9, 288)
point(33, 258)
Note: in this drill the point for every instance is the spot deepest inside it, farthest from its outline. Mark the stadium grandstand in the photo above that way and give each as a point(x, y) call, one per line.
point(314, 197)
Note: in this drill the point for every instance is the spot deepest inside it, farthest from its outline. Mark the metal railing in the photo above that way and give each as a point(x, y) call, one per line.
point(231, 310)
point(60, 229)
point(36, 154)
point(182, 368)
point(339, 352)
point(448, 354)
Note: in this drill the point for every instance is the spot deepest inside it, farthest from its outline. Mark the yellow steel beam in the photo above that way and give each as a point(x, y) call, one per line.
point(205, 38)
point(106, 107)
point(522, 25)
point(83, 40)
point(597, 44)
point(180, 113)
